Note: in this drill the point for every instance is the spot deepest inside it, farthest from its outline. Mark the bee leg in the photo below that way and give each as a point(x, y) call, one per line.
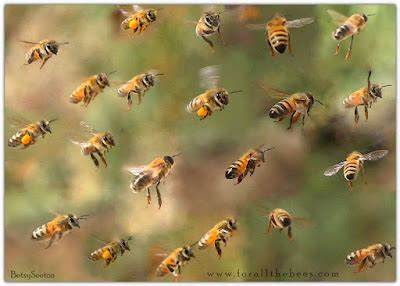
point(224, 240)
point(290, 46)
point(362, 174)
point(348, 54)
point(218, 248)
point(44, 61)
point(140, 94)
point(251, 167)
point(220, 35)
point(271, 50)
point(337, 49)
point(209, 43)
point(291, 120)
point(356, 116)
point(280, 119)
point(362, 265)
point(240, 178)
point(95, 161)
point(148, 196)
point(129, 101)
point(366, 112)
point(350, 186)
point(52, 238)
point(171, 269)
point(269, 227)
point(158, 196)
point(289, 233)
point(102, 158)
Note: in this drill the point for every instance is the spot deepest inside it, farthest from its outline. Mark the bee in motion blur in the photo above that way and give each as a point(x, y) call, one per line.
point(209, 24)
point(214, 98)
point(42, 51)
point(100, 143)
point(348, 27)
point(247, 163)
point(277, 32)
point(138, 20)
point(110, 251)
point(364, 96)
point(56, 228)
point(219, 232)
point(28, 134)
point(370, 255)
point(173, 263)
point(152, 174)
point(90, 88)
point(280, 219)
point(139, 85)
point(354, 164)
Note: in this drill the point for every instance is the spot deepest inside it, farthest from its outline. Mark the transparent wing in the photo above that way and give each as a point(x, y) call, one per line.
point(136, 170)
point(277, 93)
point(136, 8)
point(334, 169)
point(256, 27)
point(337, 18)
point(18, 122)
point(375, 155)
point(124, 12)
point(298, 23)
point(209, 77)
point(88, 128)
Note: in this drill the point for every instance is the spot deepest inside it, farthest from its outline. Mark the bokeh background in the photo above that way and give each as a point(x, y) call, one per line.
point(53, 177)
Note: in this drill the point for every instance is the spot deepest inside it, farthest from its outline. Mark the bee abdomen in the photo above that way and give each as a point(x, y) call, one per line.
point(15, 140)
point(39, 233)
point(351, 170)
point(139, 183)
point(280, 109)
point(193, 105)
point(279, 40)
point(234, 170)
point(341, 32)
point(95, 255)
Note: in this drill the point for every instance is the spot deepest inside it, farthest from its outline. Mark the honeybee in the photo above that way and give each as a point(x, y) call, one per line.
point(348, 27)
point(372, 254)
point(364, 96)
point(110, 251)
point(354, 164)
point(56, 228)
point(42, 51)
point(209, 24)
point(30, 133)
point(280, 219)
point(219, 232)
point(139, 85)
point(173, 263)
point(247, 163)
point(277, 32)
point(152, 174)
point(100, 143)
point(90, 88)
point(139, 19)
point(214, 98)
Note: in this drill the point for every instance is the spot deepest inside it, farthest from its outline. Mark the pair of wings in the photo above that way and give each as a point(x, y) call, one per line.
point(209, 77)
point(298, 23)
point(278, 93)
point(88, 129)
point(135, 9)
point(372, 156)
point(337, 18)
point(145, 170)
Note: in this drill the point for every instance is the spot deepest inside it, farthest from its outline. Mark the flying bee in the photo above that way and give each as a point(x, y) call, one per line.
point(173, 263)
point(219, 232)
point(110, 251)
point(247, 163)
point(372, 254)
point(42, 51)
point(138, 20)
point(348, 27)
point(277, 32)
point(90, 88)
point(364, 96)
point(214, 98)
point(100, 143)
point(280, 219)
point(354, 164)
point(30, 133)
point(152, 174)
point(139, 85)
point(209, 24)
point(56, 228)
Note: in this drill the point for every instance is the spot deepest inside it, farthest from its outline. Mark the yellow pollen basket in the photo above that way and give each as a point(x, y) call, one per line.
point(202, 112)
point(26, 139)
point(133, 24)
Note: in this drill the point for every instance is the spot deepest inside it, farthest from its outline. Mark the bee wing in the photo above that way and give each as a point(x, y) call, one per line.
point(88, 128)
point(298, 23)
point(278, 93)
point(333, 169)
point(136, 8)
point(18, 122)
point(136, 170)
point(337, 18)
point(209, 77)
point(375, 155)
point(256, 27)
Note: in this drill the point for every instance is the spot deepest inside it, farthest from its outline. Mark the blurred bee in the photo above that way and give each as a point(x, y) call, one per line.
point(364, 96)
point(90, 88)
point(219, 232)
point(139, 19)
point(247, 163)
point(354, 164)
point(152, 174)
point(174, 261)
point(277, 32)
point(213, 98)
point(30, 133)
point(139, 85)
point(209, 24)
point(110, 251)
point(42, 51)
point(56, 228)
point(100, 144)
point(280, 219)
point(348, 27)
point(371, 254)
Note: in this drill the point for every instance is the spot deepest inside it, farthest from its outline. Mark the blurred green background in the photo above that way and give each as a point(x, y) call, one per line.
point(52, 175)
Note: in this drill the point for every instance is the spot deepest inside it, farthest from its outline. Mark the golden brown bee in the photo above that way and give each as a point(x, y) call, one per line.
point(372, 254)
point(110, 251)
point(138, 20)
point(42, 51)
point(100, 143)
point(348, 27)
point(219, 232)
point(30, 133)
point(277, 32)
point(280, 219)
point(152, 174)
point(56, 228)
point(354, 164)
point(209, 24)
point(214, 98)
point(89, 89)
point(139, 85)
point(247, 163)
point(364, 96)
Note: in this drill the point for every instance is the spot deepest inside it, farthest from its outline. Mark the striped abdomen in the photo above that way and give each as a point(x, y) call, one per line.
point(351, 169)
point(278, 38)
point(40, 233)
point(103, 253)
point(280, 219)
point(209, 238)
point(16, 139)
point(356, 98)
point(236, 169)
point(141, 182)
point(281, 109)
point(195, 104)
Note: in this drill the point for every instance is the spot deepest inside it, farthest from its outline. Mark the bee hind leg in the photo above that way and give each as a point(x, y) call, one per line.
point(158, 196)
point(218, 248)
point(363, 175)
point(148, 195)
point(350, 186)
point(220, 35)
point(337, 49)
point(95, 161)
point(209, 43)
point(102, 158)
point(356, 116)
point(348, 54)
point(44, 61)
point(52, 238)
point(366, 112)
point(129, 97)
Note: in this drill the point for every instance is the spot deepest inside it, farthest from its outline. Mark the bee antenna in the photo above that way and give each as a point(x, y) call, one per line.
point(319, 101)
point(193, 244)
point(268, 149)
point(157, 74)
point(222, 12)
point(175, 155)
point(52, 120)
point(371, 14)
point(235, 91)
point(64, 43)
point(110, 73)
point(386, 85)
point(129, 238)
point(83, 216)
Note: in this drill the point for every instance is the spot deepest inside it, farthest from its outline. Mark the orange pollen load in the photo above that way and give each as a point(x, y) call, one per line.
point(133, 24)
point(26, 139)
point(202, 112)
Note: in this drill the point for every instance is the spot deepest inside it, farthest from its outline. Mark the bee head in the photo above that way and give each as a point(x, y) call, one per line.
point(169, 160)
point(232, 224)
point(45, 126)
point(187, 252)
point(149, 79)
point(364, 17)
point(222, 96)
point(124, 243)
point(151, 15)
point(212, 19)
point(73, 220)
point(108, 139)
point(286, 221)
point(102, 80)
point(350, 259)
point(387, 248)
point(52, 47)
point(376, 90)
